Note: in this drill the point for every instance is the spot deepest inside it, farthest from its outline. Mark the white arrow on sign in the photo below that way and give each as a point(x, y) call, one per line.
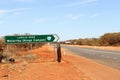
point(56, 38)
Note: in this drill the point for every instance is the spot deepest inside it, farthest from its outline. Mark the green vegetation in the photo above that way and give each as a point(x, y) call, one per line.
point(112, 39)
point(108, 39)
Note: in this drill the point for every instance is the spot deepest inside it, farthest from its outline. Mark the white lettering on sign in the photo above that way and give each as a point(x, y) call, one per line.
point(13, 41)
point(38, 40)
point(33, 37)
point(27, 40)
point(22, 37)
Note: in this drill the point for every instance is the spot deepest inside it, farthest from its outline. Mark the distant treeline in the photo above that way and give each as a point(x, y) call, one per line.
point(108, 39)
point(19, 46)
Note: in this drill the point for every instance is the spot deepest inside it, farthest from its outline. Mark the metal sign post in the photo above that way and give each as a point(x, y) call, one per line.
point(6, 70)
point(7, 53)
point(59, 56)
point(55, 52)
point(31, 51)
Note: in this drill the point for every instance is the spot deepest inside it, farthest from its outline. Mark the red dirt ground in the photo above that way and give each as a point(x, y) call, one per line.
point(43, 67)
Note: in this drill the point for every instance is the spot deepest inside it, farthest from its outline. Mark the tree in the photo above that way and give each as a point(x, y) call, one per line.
point(110, 39)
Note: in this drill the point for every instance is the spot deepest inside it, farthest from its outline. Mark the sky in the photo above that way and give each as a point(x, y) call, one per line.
point(69, 19)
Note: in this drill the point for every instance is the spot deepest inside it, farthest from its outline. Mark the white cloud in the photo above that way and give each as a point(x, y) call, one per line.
point(95, 15)
point(23, 0)
point(89, 1)
point(17, 13)
point(80, 3)
point(9, 1)
point(3, 11)
point(18, 9)
point(73, 17)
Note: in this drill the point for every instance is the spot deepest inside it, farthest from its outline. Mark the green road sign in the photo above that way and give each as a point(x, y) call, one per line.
point(31, 39)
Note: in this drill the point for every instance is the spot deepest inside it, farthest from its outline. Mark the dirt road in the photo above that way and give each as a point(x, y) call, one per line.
point(44, 68)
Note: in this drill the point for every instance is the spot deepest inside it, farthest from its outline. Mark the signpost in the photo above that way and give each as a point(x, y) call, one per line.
point(31, 39)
